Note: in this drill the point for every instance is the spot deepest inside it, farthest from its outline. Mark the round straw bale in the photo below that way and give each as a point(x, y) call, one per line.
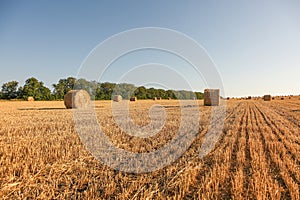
point(77, 99)
point(30, 99)
point(133, 99)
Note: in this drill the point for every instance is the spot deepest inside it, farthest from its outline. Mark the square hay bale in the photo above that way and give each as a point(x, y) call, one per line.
point(154, 98)
point(267, 97)
point(117, 98)
point(211, 97)
point(133, 99)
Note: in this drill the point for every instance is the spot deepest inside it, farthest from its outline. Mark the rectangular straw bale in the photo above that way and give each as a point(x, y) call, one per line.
point(267, 97)
point(117, 98)
point(211, 97)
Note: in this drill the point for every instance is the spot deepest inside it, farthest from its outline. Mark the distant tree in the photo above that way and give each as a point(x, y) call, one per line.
point(161, 93)
point(104, 90)
point(170, 94)
point(70, 83)
point(9, 90)
point(98, 91)
point(151, 93)
point(125, 90)
point(63, 86)
point(35, 89)
point(20, 93)
point(199, 95)
point(141, 92)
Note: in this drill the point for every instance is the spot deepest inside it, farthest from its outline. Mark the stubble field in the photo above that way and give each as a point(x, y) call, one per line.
point(256, 157)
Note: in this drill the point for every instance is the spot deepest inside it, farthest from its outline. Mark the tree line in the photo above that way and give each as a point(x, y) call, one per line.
point(98, 91)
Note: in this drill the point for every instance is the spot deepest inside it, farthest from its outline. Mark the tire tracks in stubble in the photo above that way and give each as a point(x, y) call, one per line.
point(230, 119)
point(287, 151)
point(247, 164)
point(243, 133)
point(275, 170)
point(240, 119)
point(226, 188)
point(283, 112)
point(292, 103)
point(191, 155)
point(208, 162)
point(278, 133)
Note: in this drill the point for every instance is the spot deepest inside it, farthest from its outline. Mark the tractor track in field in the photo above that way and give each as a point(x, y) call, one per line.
point(280, 134)
point(287, 151)
point(233, 162)
point(272, 164)
point(223, 143)
point(292, 103)
point(285, 114)
point(247, 165)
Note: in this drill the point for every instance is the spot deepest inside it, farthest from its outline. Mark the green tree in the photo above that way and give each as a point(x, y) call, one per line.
point(35, 89)
point(199, 95)
point(63, 86)
point(125, 90)
point(170, 94)
point(141, 92)
point(104, 90)
point(9, 90)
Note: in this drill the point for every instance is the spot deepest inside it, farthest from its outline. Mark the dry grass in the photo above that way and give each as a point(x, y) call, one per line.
point(257, 156)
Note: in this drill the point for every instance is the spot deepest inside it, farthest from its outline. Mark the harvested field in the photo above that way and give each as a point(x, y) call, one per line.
point(256, 157)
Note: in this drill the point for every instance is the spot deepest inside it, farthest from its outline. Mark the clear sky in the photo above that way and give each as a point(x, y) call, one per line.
point(254, 44)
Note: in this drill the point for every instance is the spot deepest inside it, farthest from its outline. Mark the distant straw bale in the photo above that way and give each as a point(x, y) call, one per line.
point(133, 99)
point(79, 99)
point(117, 98)
point(211, 97)
point(30, 99)
point(267, 97)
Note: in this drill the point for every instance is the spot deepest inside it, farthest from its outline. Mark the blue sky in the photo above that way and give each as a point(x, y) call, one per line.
point(254, 44)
